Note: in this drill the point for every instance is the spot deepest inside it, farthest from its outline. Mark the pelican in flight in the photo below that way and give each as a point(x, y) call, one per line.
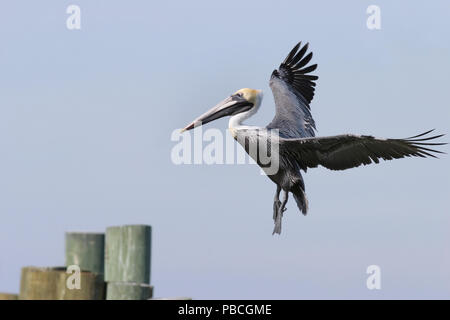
point(297, 147)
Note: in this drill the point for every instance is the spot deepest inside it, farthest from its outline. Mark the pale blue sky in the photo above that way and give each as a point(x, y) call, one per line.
point(86, 118)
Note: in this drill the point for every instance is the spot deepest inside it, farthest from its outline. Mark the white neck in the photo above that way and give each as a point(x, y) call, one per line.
point(237, 120)
point(235, 123)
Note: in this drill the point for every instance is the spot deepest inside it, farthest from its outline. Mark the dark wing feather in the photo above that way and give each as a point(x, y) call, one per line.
point(293, 89)
point(349, 151)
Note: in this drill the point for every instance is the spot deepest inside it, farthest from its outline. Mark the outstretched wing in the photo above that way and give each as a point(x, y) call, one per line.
point(349, 151)
point(293, 89)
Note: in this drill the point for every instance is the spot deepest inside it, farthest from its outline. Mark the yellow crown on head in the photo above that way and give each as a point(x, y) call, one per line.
point(250, 95)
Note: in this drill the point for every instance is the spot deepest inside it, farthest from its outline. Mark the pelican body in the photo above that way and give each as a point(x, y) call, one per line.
point(291, 134)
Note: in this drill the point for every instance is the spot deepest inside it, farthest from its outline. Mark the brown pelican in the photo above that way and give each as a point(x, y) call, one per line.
point(293, 126)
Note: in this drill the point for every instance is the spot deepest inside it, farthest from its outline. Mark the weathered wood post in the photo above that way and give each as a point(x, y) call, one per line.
point(8, 296)
point(129, 291)
point(87, 250)
point(39, 283)
point(127, 262)
point(52, 284)
point(127, 253)
point(92, 287)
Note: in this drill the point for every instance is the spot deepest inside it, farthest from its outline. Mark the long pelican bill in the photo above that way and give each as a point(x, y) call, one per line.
point(232, 105)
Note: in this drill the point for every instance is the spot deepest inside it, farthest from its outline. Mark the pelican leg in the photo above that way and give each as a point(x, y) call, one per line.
point(276, 202)
point(279, 215)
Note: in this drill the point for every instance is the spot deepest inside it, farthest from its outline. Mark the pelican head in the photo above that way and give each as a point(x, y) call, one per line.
point(240, 105)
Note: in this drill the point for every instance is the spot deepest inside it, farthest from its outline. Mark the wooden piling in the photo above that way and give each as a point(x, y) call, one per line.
point(39, 283)
point(92, 287)
point(128, 254)
point(8, 296)
point(128, 291)
point(50, 283)
point(86, 250)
